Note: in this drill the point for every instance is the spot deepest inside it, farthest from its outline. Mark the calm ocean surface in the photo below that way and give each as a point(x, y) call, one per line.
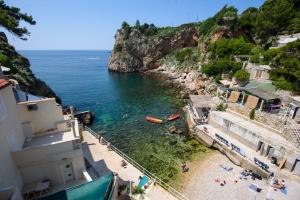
point(120, 103)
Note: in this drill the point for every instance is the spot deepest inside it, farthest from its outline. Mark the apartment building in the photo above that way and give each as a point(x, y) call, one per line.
point(39, 146)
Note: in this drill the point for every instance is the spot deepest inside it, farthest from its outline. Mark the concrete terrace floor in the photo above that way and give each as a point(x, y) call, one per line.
point(105, 161)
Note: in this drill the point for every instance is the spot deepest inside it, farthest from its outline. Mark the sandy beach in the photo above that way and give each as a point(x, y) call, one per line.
point(205, 175)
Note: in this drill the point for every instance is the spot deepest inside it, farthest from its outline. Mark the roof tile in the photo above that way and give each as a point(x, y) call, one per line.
point(3, 83)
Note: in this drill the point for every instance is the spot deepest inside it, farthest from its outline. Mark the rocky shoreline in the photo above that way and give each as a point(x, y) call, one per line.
point(191, 82)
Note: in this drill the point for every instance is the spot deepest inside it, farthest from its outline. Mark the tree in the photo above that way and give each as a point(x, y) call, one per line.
point(137, 24)
point(252, 114)
point(126, 29)
point(274, 17)
point(10, 18)
point(247, 21)
point(242, 75)
point(118, 47)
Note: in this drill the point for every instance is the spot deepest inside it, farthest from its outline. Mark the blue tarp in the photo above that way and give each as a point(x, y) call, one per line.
point(143, 181)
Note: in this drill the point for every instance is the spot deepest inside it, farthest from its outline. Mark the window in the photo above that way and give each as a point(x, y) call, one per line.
point(2, 110)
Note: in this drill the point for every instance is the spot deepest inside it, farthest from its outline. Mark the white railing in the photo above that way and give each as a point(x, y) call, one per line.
point(164, 185)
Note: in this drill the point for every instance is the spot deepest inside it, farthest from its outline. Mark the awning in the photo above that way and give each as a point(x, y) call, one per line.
point(234, 96)
point(262, 94)
point(251, 102)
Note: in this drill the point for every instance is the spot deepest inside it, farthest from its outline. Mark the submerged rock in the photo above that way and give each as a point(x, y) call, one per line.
point(172, 129)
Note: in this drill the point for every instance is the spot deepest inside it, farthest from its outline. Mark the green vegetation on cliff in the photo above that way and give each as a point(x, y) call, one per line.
point(222, 39)
point(11, 19)
point(285, 63)
point(251, 34)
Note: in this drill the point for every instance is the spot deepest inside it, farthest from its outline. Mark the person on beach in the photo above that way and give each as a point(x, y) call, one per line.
point(123, 163)
point(100, 139)
point(185, 168)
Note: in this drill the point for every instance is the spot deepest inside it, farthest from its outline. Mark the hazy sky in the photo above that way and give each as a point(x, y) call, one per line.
point(91, 24)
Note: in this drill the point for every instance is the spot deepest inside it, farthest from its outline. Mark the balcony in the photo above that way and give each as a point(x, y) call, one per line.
point(65, 131)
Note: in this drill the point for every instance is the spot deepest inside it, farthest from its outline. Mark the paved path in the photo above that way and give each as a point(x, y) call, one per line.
point(105, 161)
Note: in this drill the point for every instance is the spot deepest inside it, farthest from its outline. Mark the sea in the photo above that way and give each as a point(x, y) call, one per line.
point(120, 103)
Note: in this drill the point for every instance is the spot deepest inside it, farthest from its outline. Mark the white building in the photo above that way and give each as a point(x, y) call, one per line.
point(284, 39)
point(38, 144)
point(258, 72)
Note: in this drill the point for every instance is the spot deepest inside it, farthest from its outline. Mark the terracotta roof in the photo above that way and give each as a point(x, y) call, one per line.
point(3, 83)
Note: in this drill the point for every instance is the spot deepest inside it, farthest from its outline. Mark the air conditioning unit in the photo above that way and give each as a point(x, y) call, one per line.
point(32, 106)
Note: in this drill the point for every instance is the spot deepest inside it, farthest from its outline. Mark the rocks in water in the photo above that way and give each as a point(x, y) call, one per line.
point(172, 129)
point(86, 117)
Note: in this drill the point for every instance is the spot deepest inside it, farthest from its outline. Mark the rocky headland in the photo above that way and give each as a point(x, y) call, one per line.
point(136, 51)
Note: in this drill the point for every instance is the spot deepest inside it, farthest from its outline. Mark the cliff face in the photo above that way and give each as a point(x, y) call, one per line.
point(139, 52)
point(20, 70)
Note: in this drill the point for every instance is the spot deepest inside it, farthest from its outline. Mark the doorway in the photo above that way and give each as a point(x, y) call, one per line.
point(260, 143)
point(270, 151)
point(296, 168)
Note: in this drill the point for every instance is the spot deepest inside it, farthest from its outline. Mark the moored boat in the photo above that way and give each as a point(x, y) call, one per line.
point(154, 120)
point(174, 117)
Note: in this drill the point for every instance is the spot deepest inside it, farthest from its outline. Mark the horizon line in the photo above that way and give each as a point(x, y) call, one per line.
point(64, 49)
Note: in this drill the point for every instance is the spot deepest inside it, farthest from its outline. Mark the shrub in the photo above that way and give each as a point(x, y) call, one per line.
point(184, 54)
point(4, 60)
point(218, 78)
point(242, 75)
point(209, 69)
point(121, 188)
point(138, 190)
point(118, 47)
point(252, 114)
point(126, 29)
point(220, 107)
point(254, 58)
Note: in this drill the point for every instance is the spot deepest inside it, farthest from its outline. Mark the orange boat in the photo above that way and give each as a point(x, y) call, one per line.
point(174, 117)
point(154, 120)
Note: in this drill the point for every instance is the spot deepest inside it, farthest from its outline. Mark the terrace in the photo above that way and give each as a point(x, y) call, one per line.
point(105, 158)
point(50, 139)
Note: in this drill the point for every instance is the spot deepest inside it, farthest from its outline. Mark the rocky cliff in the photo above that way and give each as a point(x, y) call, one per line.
point(20, 70)
point(136, 51)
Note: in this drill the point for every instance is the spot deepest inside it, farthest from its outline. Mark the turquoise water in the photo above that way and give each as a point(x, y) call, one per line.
point(120, 102)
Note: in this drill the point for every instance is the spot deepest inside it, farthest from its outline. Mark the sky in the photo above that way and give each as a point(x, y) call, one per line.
point(92, 24)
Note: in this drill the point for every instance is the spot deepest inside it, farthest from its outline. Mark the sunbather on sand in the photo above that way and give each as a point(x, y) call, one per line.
point(184, 167)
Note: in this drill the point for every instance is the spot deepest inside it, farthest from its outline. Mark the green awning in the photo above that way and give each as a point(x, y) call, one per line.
point(266, 86)
point(97, 190)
